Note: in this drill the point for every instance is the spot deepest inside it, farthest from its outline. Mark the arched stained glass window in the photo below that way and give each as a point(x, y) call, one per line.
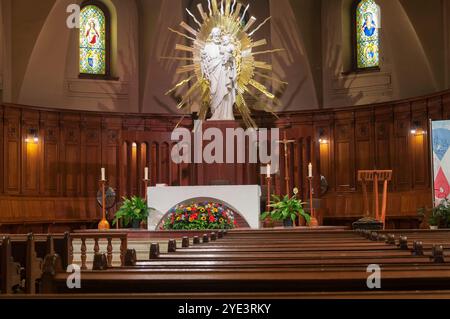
point(94, 38)
point(367, 34)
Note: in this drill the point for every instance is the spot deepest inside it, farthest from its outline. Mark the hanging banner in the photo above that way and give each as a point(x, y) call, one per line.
point(440, 144)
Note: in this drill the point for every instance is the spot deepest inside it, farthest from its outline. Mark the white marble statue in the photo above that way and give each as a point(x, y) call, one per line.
point(219, 68)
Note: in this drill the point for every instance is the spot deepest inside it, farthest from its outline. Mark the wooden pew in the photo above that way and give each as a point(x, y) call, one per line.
point(9, 270)
point(269, 271)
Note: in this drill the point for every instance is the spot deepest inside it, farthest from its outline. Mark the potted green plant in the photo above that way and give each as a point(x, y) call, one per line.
point(133, 212)
point(439, 216)
point(286, 209)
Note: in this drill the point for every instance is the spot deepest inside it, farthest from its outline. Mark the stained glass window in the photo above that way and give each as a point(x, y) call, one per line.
point(367, 34)
point(93, 46)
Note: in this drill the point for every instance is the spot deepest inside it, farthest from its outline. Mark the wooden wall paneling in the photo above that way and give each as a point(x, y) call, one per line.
point(345, 152)
point(111, 140)
point(92, 154)
point(2, 158)
point(364, 139)
point(446, 106)
point(297, 164)
point(156, 166)
point(402, 150)
point(128, 171)
point(323, 162)
point(139, 168)
point(165, 163)
point(71, 155)
point(383, 138)
point(12, 151)
point(50, 165)
point(31, 153)
point(435, 108)
point(420, 147)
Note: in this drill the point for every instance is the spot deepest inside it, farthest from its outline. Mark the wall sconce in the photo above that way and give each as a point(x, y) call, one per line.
point(416, 130)
point(322, 137)
point(32, 136)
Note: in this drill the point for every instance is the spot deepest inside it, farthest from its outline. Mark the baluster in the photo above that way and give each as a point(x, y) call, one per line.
point(110, 250)
point(83, 254)
point(123, 250)
point(70, 252)
point(96, 246)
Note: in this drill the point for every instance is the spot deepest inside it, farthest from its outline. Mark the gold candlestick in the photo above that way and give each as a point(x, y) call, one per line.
point(104, 224)
point(268, 223)
point(313, 222)
point(146, 183)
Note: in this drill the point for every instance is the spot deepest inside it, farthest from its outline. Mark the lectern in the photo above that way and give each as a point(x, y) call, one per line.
point(376, 177)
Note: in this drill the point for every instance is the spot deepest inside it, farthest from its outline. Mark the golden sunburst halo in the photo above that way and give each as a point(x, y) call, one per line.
point(230, 18)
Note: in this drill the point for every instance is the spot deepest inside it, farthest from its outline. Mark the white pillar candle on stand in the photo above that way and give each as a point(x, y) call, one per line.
point(268, 170)
point(146, 174)
point(103, 174)
point(310, 170)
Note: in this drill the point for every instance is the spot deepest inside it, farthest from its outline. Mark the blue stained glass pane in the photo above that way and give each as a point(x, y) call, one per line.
point(367, 34)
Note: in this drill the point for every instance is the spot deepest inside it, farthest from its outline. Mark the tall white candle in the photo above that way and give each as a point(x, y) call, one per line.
point(310, 170)
point(268, 170)
point(146, 174)
point(103, 174)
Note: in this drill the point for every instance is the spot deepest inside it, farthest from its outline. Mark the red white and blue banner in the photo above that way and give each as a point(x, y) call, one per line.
point(441, 160)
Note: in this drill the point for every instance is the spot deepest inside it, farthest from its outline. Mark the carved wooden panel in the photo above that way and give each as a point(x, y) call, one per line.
point(402, 173)
point(344, 156)
point(13, 152)
point(72, 160)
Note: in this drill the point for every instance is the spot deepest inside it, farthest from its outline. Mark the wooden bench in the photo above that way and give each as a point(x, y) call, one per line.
point(312, 262)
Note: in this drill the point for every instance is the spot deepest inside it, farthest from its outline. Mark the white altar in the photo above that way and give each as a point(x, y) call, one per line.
point(245, 200)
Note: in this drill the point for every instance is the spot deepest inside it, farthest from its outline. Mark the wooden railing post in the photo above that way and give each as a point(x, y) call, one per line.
point(109, 252)
point(123, 250)
point(83, 253)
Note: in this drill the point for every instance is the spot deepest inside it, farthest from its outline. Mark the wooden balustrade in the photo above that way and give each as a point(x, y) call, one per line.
point(97, 237)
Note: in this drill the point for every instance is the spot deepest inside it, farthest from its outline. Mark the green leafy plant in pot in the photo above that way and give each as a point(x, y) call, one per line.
point(133, 212)
point(286, 209)
point(439, 216)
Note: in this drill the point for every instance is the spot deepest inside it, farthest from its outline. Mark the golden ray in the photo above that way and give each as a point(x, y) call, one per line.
point(267, 52)
point(269, 77)
point(258, 43)
point(176, 58)
point(244, 13)
point(194, 17)
point(185, 69)
point(181, 47)
point(180, 84)
point(215, 8)
point(227, 7)
point(188, 28)
point(182, 34)
point(209, 8)
point(233, 6)
point(249, 24)
point(261, 88)
point(228, 15)
point(202, 12)
point(188, 94)
point(238, 10)
point(259, 27)
point(263, 65)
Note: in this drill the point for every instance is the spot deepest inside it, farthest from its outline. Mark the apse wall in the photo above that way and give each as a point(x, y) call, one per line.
point(39, 54)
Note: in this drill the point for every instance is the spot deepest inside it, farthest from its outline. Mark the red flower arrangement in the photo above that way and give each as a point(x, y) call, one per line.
point(199, 216)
